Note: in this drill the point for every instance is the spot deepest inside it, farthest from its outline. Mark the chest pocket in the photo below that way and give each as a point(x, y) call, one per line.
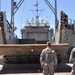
point(49, 56)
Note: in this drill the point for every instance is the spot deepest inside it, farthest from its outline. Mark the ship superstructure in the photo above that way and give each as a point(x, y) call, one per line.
point(39, 31)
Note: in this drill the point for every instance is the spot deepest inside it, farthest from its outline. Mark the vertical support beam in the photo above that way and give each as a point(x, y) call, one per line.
point(12, 15)
point(74, 25)
point(14, 8)
point(54, 10)
point(55, 15)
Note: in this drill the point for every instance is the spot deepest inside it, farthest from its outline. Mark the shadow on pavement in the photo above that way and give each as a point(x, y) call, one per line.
point(63, 68)
point(30, 68)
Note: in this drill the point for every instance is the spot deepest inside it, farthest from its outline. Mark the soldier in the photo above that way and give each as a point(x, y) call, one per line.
point(72, 60)
point(48, 60)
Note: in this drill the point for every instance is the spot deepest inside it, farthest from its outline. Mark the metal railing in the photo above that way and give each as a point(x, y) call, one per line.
point(71, 21)
point(71, 24)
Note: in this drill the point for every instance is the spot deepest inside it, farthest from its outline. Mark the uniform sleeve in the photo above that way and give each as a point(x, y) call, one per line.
point(55, 59)
point(70, 59)
point(42, 58)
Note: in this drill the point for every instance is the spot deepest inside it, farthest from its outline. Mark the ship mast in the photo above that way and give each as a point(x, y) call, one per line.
point(37, 12)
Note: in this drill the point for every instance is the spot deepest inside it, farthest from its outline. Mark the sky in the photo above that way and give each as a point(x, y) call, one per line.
point(24, 12)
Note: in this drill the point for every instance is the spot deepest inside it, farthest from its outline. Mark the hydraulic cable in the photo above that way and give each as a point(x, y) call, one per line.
point(50, 6)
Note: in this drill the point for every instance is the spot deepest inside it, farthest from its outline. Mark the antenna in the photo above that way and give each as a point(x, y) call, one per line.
point(37, 10)
point(42, 19)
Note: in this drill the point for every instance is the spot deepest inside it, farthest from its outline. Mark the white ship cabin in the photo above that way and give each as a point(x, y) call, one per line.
point(40, 33)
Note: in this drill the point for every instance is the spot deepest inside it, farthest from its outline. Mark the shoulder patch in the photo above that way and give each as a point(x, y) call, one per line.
point(53, 51)
point(43, 50)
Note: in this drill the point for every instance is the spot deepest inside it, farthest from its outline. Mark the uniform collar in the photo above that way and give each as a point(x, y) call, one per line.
point(48, 48)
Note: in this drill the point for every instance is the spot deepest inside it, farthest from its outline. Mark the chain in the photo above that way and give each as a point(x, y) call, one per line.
point(66, 37)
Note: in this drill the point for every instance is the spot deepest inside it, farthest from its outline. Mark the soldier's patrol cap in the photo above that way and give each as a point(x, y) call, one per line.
point(48, 43)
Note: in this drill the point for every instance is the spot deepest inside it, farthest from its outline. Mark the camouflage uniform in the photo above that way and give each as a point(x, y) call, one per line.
point(48, 60)
point(72, 59)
